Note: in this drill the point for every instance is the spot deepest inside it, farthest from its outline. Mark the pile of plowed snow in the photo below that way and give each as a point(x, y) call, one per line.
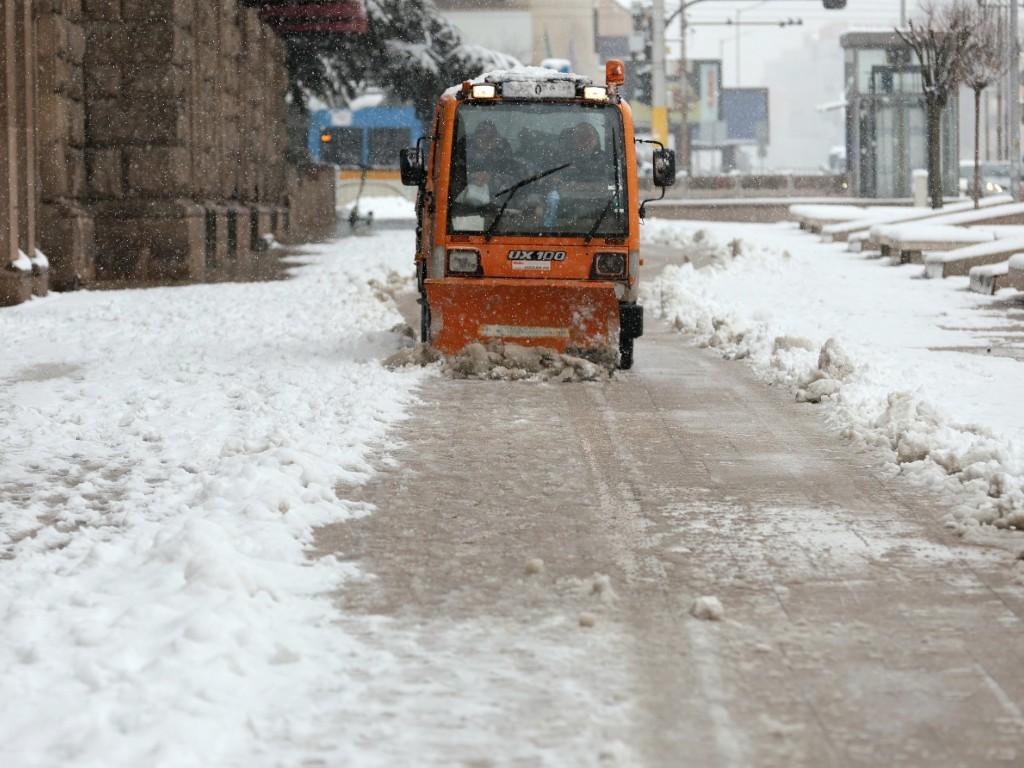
point(698, 246)
point(510, 362)
point(792, 309)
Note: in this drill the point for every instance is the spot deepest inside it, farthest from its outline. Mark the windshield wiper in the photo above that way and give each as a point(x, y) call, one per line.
point(604, 212)
point(510, 191)
point(615, 194)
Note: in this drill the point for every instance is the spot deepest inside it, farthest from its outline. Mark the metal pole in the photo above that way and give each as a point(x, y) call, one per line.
point(739, 78)
point(1014, 99)
point(659, 106)
point(903, 14)
point(684, 90)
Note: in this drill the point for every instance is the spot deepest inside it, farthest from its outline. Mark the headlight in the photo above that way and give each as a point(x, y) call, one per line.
point(595, 93)
point(463, 261)
point(610, 264)
point(484, 91)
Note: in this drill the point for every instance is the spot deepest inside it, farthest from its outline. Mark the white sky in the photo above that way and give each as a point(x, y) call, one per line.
point(760, 45)
point(801, 65)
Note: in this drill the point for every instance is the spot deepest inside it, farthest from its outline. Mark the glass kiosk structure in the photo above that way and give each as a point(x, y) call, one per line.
point(886, 126)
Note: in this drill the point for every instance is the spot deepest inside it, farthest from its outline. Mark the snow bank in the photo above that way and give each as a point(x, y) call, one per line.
point(165, 455)
point(510, 362)
point(694, 245)
point(949, 420)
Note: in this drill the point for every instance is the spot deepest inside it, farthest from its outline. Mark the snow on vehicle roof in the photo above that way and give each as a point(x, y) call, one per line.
point(529, 74)
point(523, 75)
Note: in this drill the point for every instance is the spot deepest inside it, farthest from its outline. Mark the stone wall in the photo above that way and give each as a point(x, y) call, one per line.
point(311, 200)
point(162, 138)
point(23, 270)
point(65, 223)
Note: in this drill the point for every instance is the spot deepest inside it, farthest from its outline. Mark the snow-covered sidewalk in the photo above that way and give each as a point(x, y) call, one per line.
point(165, 455)
point(897, 374)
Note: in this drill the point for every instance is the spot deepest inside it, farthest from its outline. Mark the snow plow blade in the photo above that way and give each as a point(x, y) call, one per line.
point(564, 315)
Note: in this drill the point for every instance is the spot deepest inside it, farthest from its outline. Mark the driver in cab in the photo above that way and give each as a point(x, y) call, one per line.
point(490, 163)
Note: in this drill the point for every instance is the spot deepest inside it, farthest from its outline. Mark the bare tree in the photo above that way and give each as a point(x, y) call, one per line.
point(941, 40)
point(984, 64)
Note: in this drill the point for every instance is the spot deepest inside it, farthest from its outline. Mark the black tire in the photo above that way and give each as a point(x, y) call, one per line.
point(424, 320)
point(625, 353)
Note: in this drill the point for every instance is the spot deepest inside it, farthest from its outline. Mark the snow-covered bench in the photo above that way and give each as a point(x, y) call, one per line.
point(961, 260)
point(814, 217)
point(1015, 272)
point(858, 233)
point(989, 278)
point(906, 242)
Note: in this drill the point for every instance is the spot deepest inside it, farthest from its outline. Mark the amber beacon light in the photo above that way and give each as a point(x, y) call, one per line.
point(614, 72)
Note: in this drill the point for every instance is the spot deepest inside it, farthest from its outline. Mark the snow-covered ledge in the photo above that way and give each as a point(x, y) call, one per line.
point(16, 281)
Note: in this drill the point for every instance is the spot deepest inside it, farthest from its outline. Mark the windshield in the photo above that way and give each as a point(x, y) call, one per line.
point(538, 169)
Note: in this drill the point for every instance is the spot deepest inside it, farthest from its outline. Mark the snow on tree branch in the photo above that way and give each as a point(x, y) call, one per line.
point(408, 49)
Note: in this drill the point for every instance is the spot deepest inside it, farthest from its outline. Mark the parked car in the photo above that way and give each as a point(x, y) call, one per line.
point(995, 177)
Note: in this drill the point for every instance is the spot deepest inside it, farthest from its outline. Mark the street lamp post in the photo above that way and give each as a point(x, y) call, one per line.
point(1014, 99)
point(659, 105)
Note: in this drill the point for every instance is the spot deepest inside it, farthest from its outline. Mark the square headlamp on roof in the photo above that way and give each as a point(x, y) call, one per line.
point(595, 93)
point(484, 91)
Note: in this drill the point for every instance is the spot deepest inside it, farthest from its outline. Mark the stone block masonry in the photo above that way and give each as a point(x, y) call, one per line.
point(146, 140)
point(22, 270)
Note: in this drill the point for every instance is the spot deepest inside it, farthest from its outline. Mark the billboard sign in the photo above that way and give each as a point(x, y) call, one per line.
point(745, 112)
point(704, 78)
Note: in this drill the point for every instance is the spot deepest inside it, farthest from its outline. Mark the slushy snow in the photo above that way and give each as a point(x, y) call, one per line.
point(499, 361)
point(887, 354)
point(165, 455)
point(707, 608)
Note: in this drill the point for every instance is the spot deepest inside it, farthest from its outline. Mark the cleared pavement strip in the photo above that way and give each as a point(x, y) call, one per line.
point(856, 630)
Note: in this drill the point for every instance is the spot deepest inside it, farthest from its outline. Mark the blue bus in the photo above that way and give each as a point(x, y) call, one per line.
point(368, 137)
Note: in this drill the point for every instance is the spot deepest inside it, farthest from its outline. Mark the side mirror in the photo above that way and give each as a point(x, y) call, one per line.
point(411, 163)
point(664, 167)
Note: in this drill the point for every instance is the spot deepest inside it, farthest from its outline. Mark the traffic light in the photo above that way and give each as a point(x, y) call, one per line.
point(834, 5)
point(641, 54)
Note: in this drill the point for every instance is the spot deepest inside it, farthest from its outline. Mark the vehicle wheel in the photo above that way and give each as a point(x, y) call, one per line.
point(625, 353)
point(424, 320)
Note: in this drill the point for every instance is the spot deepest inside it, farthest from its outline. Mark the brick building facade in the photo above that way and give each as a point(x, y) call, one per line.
point(161, 138)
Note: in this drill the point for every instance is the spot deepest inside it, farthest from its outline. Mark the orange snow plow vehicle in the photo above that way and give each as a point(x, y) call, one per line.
point(528, 215)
